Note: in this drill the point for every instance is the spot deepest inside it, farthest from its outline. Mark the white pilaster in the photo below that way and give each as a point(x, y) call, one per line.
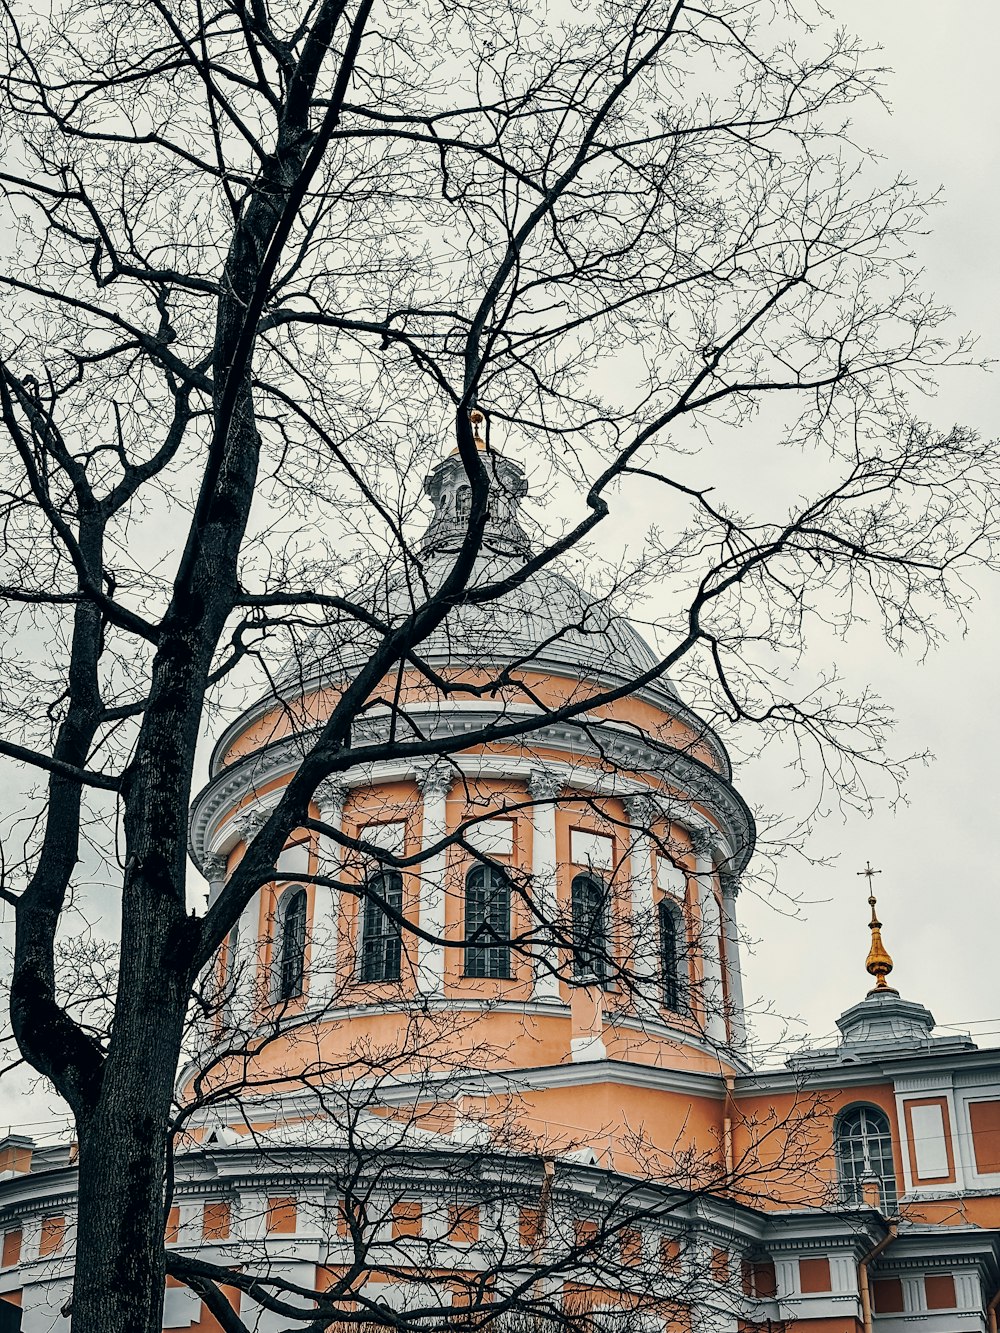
point(644, 933)
point(330, 798)
point(544, 789)
point(715, 1019)
point(730, 885)
point(435, 783)
point(247, 956)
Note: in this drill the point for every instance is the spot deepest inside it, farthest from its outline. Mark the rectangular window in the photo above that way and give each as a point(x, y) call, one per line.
point(764, 1280)
point(487, 923)
point(12, 1248)
point(463, 1224)
point(985, 1121)
point(53, 1231)
point(381, 933)
point(888, 1295)
point(282, 1216)
point(407, 1218)
point(593, 851)
point(814, 1275)
point(720, 1265)
point(528, 1230)
point(940, 1291)
point(215, 1221)
point(670, 1254)
point(631, 1245)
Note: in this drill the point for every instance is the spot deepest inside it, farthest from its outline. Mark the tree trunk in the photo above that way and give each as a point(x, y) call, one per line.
point(119, 1280)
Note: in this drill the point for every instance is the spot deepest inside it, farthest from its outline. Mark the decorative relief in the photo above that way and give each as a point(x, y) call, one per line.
point(682, 772)
point(331, 797)
point(214, 867)
point(701, 842)
point(249, 823)
point(436, 779)
point(729, 883)
point(543, 785)
point(641, 811)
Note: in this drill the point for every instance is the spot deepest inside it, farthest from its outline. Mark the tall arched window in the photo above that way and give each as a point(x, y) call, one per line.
point(671, 922)
point(864, 1149)
point(463, 503)
point(487, 922)
point(381, 935)
point(291, 960)
point(589, 898)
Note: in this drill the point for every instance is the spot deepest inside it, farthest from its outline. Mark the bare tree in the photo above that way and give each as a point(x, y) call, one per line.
point(265, 261)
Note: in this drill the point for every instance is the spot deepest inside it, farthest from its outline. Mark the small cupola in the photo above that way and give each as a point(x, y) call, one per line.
point(451, 494)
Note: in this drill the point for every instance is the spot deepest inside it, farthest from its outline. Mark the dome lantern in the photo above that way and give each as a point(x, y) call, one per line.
point(449, 489)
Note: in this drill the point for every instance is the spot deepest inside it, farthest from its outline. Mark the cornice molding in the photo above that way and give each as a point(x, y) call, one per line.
point(694, 781)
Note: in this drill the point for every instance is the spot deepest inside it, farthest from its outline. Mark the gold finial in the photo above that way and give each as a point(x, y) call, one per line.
point(878, 963)
point(476, 419)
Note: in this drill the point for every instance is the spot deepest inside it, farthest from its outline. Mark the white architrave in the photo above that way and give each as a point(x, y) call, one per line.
point(544, 789)
point(730, 885)
point(435, 783)
point(711, 925)
point(330, 798)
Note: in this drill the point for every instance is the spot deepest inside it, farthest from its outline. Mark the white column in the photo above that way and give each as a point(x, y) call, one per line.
point(644, 931)
point(330, 797)
point(435, 783)
point(214, 869)
point(247, 981)
point(715, 1019)
point(213, 980)
point(730, 885)
point(544, 789)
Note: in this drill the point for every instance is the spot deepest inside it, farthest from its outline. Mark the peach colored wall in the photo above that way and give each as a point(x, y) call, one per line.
point(789, 1140)
point(550, 690)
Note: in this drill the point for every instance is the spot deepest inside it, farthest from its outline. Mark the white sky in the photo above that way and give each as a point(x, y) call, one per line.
point(938, 896)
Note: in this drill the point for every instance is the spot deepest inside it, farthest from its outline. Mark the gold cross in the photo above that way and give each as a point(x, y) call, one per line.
point(868, 871)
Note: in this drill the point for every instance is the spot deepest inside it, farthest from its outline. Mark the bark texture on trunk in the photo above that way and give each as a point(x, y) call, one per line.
point(119, 1279)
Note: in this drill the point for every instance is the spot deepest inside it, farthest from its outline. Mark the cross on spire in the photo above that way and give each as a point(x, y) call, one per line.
point(878, 963)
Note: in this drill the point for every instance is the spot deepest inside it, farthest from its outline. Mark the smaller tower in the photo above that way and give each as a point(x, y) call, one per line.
point(449, 489)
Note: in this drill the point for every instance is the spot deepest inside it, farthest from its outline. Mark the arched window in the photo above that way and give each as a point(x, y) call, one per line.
point(589, 898)
point(864, 1150)
point(463, 503)
point(381, 935)
point(671, 922)
point(291, 960)
point(487, 922)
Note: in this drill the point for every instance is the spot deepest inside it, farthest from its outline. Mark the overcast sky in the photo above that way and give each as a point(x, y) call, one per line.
point(938, 891)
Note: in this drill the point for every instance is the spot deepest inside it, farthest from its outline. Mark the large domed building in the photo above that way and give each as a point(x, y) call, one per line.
point(483, 1039)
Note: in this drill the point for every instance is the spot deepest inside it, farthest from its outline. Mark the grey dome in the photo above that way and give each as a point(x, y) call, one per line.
point(545, 623)
point(546, 620)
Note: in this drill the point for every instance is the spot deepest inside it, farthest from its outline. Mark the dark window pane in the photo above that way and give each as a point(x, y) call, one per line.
point(487, 923)
point(292, 952)
point(381, 936)
point(588, 897)
point(864, 1149)
point(671, 940)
